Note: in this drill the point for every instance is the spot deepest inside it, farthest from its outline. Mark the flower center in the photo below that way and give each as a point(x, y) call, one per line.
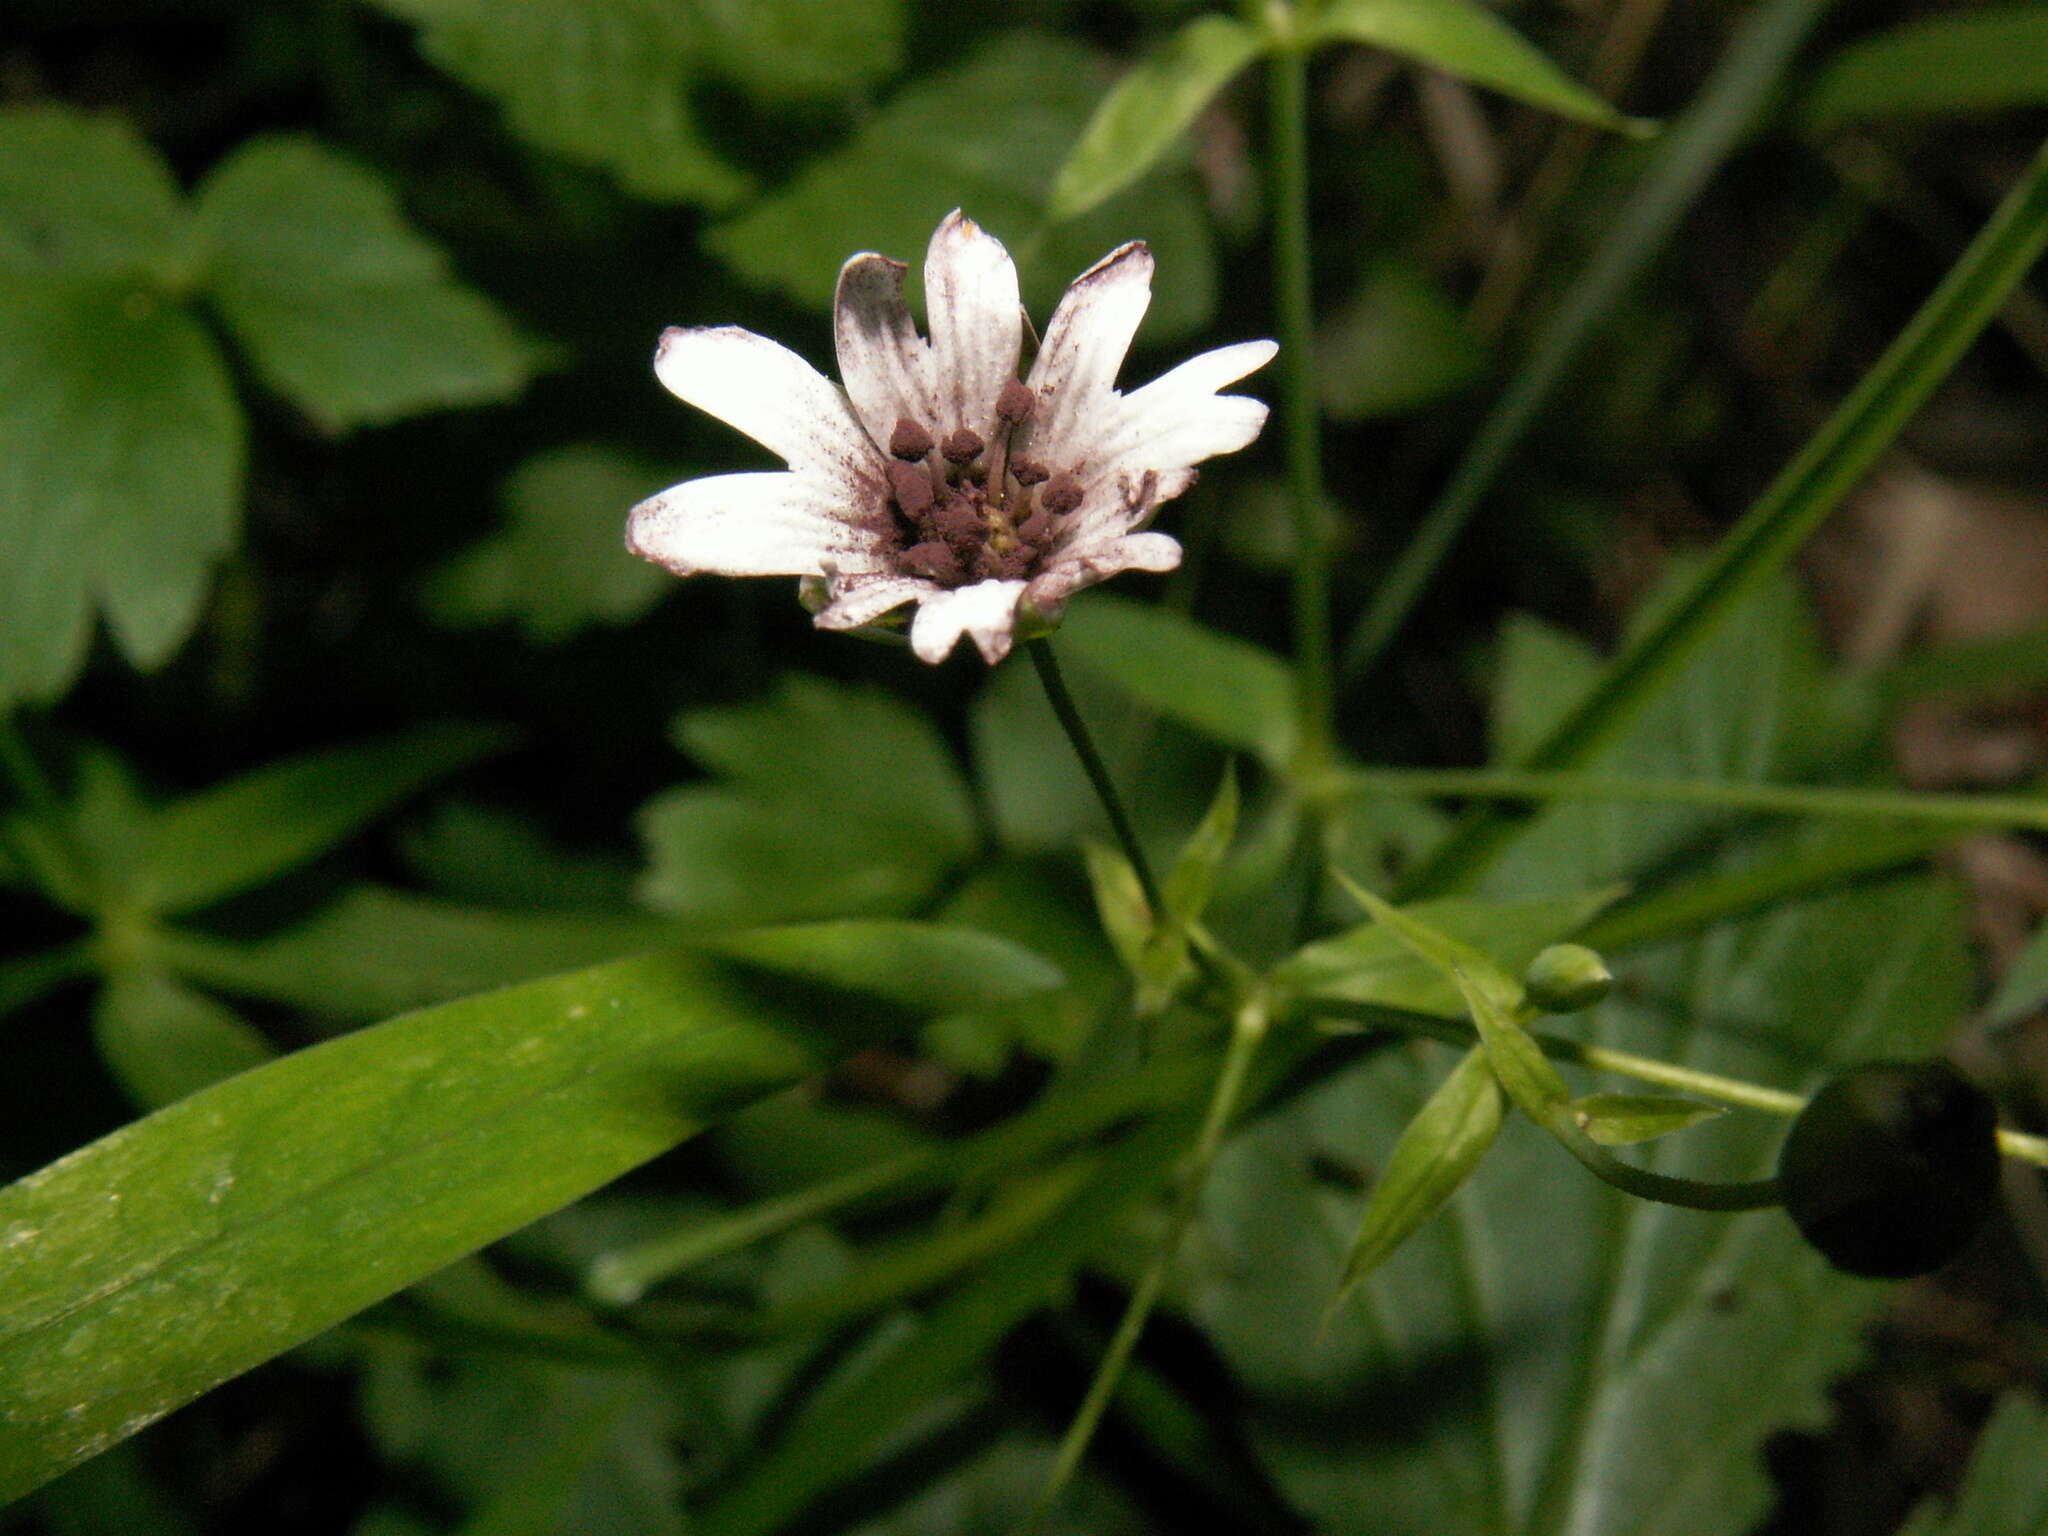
point(968, 510)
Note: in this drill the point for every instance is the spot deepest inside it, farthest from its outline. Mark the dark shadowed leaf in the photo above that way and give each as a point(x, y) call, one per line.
point(2006, 1490)
point(83, 196)
point(1986, 59)
point(163, 1040)
point(1400, 344)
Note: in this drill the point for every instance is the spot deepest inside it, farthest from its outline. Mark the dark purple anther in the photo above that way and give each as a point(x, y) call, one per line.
point(961, 445)
point(912, 488)
point(911, 440)
point(1036, 528)
point(1061, 495)
point(959, 522)
point(1016, 403)
point(932, 559)
point(1029, 472)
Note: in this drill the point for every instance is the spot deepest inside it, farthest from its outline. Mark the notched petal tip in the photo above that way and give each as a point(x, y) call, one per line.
point(1130, 260)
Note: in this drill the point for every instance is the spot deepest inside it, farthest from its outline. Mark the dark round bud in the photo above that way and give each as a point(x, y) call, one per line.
point(1892, 1169)
point(912, 488)
point(1566, 978)
point(961, 445)
point(1016, 403)
point(1061, 495)
point(911, 440)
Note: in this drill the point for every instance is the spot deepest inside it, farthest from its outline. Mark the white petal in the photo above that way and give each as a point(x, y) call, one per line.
point(986, 611)
point(883, 362)
point(864, 599)
point(1085, 565)
point(768, 524)
point(1075, 371)
point(976, 320)
point(1179, 419)
point(772, 395)
point(1115, 504)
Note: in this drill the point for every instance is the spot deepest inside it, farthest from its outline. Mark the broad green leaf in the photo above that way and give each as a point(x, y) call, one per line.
point(163, 1040)
point(1435, 1155)
point(2005, 1492)
point(986, 134)
point(782, 49)
point(467, 851)
point(120, 474)
point(839, 800)
point(600, 81)
point(1398, 345)
point(1149, 108)
point(558, 567)
point(1462, 38)
point(1622, 1119)
point(1562, 1357)
point(85, 196)
point(1987, 59)
point(857, 753)
point(197, 1243)
point(251, 829)
point(926, 967)
point(2024, 987)
point(1227, 689)
point(1742, 85)
point(342, 307)
point(1756, 551)
point(377, 952)
point(1370, 965)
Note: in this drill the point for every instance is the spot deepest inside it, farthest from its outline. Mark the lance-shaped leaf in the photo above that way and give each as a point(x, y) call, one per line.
point(1436, 1153)
point(1149, 108)
point(1193, 876)
point(163, 1041)
point(251, 829)
point(1987, 59)
point(1621, 1119)
point(1462, 38)
point(194, 1244)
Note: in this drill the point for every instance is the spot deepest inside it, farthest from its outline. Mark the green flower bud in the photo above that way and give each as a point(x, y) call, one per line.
point(1892, 1169)
point(1566, 978)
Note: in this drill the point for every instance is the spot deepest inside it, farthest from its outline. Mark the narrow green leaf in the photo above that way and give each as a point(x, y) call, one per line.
point(1462, 38)
point(558, 567)
point(1119, 902)
point(1149, 108)
point(377, 952)
point(343, 308)
point(605, 82)
point(1369, 965)
point(926, 967)
point(120, 474)
point(987, 133)
point(1988, 59)
point(251, 829)
point(190, 1246)
point(1193, 876)
point(163, 1041)
point(85, 195)
point(1436, 1153)
point(1228, 689)
point(1621, 1119)
point(1686, 158)
point(1773, 530)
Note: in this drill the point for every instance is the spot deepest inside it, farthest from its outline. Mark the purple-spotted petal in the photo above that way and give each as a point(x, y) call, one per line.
point(883, 362)
point(985, 612)
point(767, 524)
point(775, 397)
point(859, 600)
point(976, 321)
point(1075, 371)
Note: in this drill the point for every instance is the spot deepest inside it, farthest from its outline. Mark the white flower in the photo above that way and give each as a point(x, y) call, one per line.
point(933, 476)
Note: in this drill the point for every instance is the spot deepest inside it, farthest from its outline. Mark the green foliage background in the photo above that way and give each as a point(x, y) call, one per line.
point(436, 872)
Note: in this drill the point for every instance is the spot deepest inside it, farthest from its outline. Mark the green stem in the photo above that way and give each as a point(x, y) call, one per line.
point(1248, 1029)
point(1287, 100)
point(1962, 811)
point(1069, 716)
